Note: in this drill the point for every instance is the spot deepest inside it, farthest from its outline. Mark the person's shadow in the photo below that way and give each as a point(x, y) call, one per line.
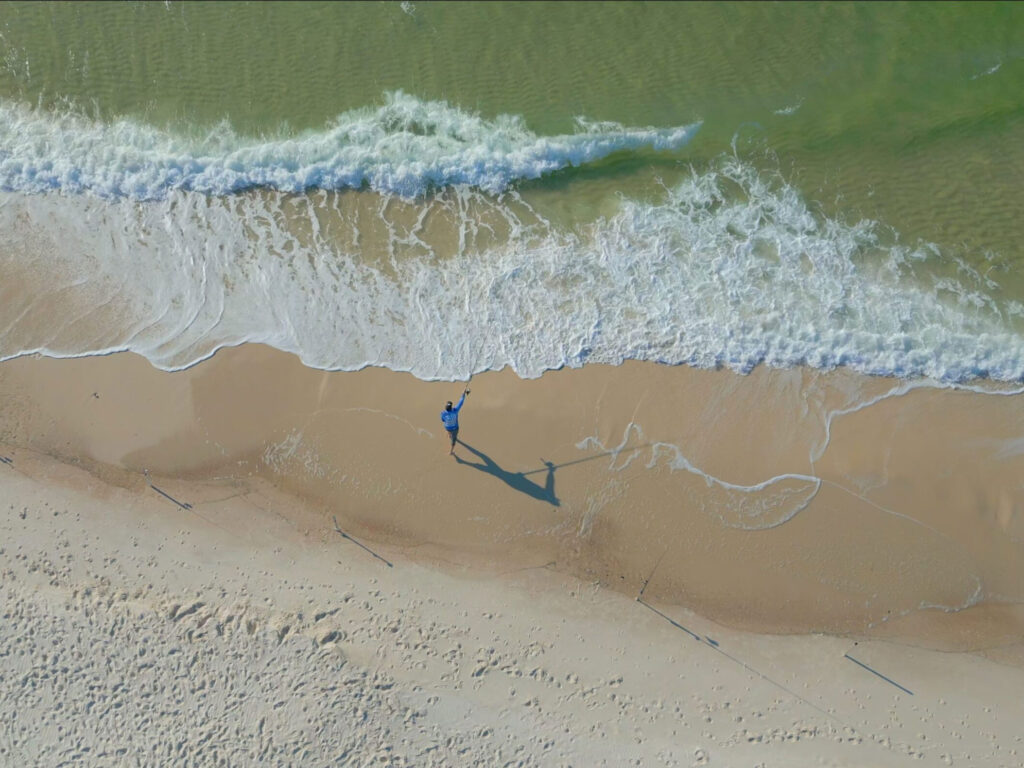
point(516, 480)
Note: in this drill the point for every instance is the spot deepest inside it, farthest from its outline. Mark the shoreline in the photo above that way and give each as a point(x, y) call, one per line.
point(761, 501)
point(246, 629)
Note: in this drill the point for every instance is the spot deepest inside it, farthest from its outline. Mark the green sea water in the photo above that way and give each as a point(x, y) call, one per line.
point(907, 113)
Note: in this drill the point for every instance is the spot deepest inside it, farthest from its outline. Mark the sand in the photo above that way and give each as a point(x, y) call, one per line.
point(782, 527)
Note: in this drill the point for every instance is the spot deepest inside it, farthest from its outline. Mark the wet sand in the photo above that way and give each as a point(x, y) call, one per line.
point(486, 612)
point(780, 501)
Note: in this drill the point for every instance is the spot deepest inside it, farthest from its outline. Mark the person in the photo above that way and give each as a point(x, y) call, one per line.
point(450, 419)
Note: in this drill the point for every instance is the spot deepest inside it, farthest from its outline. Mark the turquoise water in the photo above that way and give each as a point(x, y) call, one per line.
point(449, 187)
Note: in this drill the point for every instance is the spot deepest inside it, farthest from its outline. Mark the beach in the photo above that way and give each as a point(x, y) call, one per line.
point(339, 590)
point(735, 293)
point(789, 519)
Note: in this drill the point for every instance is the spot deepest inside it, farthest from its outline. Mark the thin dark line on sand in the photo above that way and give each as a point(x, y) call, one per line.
point(713, 645)
point(360, 544)
point(879, 674)
point(182, 504)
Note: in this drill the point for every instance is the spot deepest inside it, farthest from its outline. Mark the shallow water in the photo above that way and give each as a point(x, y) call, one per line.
point(793, 185)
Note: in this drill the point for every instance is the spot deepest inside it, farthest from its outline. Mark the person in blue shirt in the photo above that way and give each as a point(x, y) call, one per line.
point(450, 419)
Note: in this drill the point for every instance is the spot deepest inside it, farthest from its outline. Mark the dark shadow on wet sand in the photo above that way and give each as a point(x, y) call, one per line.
point(516, 480)
point(519, 481)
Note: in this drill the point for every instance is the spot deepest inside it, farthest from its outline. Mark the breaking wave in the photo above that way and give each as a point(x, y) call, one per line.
point(404, 147)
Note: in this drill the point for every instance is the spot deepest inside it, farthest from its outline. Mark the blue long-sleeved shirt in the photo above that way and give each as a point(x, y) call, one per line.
point(450, 419)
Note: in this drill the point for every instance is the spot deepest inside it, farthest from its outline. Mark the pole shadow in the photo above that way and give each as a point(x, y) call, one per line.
point(515, 480)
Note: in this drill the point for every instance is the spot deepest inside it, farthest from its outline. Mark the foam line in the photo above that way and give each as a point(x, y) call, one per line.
point(681, 462)
point(404, 147)
point(728, 515)
point(730, 267)
point(595, 442)
point(899, 390)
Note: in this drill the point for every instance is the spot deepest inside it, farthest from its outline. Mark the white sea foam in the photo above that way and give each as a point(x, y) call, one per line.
point(759, 506)
point(729, 268)
point(990, 71)
point(791, 109)
point(404, 147)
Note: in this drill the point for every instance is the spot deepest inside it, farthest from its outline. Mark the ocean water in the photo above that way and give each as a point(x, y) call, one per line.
point(449, 188)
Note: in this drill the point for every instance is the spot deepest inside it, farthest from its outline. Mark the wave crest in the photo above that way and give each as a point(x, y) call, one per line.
point(404, 147)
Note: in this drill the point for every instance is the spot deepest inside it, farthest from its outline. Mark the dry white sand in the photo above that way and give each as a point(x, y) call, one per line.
point(245, 631)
